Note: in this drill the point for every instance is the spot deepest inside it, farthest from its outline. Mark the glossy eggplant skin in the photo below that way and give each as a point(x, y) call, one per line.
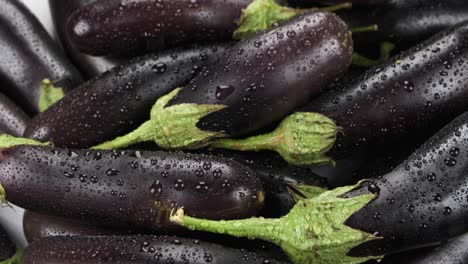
point(131, 27)
point(90, 66)
point(38, 226)
point(29, 55)
point(263, 79)
point(136, 249)
point(7, 248)
point(420, 203)
point(120, 100)
point(275, 175)
point(134, 188)
point(451, 252)
point(13, 120)
point(403, 23)
point(404, 100)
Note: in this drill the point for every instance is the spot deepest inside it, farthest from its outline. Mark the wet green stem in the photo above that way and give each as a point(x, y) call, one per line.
point(139, 135)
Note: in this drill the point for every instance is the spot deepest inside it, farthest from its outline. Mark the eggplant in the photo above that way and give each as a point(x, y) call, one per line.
point(451, 252)
point(132, 27)
point(29, 55)
point(91, 66)
point(420, 203)
point(127, 188)
point(13, 120)
point(403, 23)
point(276, 175)
point(120, 99)
point(135, 249)
point(38, 226)
point(259, 82)
point(7, 247)
point(403, 101)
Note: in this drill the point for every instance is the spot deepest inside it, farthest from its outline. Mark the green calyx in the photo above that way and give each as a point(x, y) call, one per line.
point(16, 259)
point(301, 139)
point(171, 127)
point(313, 232)
point(302, 192)
point(261, 15)
point(8, 141)
point(49, 95)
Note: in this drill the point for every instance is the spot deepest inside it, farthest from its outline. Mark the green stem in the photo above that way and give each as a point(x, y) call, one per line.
point(252, 228)
point(301, 139)
point(143, 133)
point(386, 49)
point(255, 143)
point(338, 7)
point(362, 61)
point(314, 231)
point(371, 28)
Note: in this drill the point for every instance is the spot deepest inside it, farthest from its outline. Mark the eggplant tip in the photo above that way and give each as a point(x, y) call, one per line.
point(177, 216)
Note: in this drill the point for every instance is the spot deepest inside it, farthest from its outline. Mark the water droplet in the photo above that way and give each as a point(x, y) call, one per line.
point(223, 91)
point(156, 188)
point(179, 185)
point(450, 162)
point(159, 67)
point(112, 172)
point(454, 152)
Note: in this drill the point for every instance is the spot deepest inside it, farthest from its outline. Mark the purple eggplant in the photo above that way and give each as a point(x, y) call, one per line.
point(403, 101)
point(128, 27)
point(13, 120)
point(91, 66)
point(29, 56)
point(38, 226)
point(127, 188)
point(119, 100)
point(136, 249)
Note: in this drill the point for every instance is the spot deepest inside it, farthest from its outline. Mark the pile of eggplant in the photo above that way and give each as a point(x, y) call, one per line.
point(236, 131)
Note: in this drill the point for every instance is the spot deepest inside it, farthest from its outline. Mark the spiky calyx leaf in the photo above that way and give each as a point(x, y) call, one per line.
point(8, 141)
point(260, 15)
point(313, 232)
point(49, 95)
point(176, 126)
point(301, 139)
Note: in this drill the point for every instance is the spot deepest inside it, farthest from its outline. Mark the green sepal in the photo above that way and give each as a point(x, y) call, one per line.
point(260, 15)
point(314, 231)
point(8, 141)
point(16, 259)
point(176, 126)
point(49, 95)
point(301, 139)
point(170, 127)
point(301, 191)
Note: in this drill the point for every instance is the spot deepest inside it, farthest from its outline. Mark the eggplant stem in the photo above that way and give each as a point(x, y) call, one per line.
point(371, 28)
point(338, 7)
point(143, 133)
